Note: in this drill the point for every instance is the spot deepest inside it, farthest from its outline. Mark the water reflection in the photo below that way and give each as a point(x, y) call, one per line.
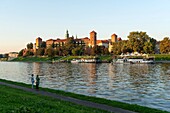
point(142, 84)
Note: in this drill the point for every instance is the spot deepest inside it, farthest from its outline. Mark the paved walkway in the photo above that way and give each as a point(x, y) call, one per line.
point(70, 99)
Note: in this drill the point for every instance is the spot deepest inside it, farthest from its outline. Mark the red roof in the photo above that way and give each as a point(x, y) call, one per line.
point(50, 40)
point(61, 40)
point(102, 41)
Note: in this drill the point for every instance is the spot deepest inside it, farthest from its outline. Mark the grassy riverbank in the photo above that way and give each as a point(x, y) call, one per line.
point(161, 57)
point(107, 58)
point(19, 101)
point(25, 96)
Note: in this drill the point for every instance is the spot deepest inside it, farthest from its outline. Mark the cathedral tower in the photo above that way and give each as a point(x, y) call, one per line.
point(67, 34)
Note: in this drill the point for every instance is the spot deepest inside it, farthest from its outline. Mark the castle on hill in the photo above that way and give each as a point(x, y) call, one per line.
point(90, 42)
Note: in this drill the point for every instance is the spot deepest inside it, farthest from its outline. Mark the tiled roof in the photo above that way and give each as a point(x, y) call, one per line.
point(102, 41)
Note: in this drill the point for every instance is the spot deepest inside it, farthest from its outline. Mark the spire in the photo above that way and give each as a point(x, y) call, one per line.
point(67, 34)
point(76, 36)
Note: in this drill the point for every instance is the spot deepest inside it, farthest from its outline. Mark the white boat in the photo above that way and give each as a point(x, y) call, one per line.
point(84, 61)
point(141, 61)
point(75, 61)
point(133, 61)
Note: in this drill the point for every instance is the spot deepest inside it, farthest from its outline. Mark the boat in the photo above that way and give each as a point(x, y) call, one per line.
point(88, 60)
point(133, 61)
point(76, 61)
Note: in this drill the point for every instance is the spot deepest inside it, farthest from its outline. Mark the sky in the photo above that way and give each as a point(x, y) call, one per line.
point(22, 21)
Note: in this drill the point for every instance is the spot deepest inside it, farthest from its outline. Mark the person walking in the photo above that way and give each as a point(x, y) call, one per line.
point(32, 80)
point(37, 82)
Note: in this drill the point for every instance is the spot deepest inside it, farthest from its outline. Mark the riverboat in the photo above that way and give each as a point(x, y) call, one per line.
point(134, 61)
point(76, 61)
point(89, 60)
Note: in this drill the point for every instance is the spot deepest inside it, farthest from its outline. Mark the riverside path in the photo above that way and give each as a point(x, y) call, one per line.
point(70, 99)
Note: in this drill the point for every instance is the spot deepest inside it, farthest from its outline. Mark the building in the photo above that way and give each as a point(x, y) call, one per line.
point(89, 42)
point(93, 39)
point(113, 40)
point(13, 54)
point(38, 43)
point(104, 43)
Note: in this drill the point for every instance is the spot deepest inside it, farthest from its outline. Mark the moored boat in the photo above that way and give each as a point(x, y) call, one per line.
point(134, 61)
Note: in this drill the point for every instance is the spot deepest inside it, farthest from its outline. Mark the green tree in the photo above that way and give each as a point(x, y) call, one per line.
point(40, 51)
point(43, 45)
point(165, 45)
point(137, 41)
point(148, 47)
point(50, 52)
point(77, 51)
point(93, 51)
point(29, 46)
point(69, 45)
point(29, 53)
point(21, 52)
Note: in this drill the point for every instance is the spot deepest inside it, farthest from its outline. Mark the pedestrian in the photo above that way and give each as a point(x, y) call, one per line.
point(37, 82)
point(32, 80)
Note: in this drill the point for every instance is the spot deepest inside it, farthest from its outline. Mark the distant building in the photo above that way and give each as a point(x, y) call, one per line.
point(13, 54)
point(113, 40)
point(38, 42)
point(93, 39)
point(104, 43)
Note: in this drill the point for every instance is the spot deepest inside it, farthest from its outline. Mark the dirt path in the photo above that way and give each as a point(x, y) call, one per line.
point(70, 99)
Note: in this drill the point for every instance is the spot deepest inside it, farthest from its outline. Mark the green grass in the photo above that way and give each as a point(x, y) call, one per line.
point(131, 107)
point(36, 59)
point(19, 101)
point(106, 58)
point(65, 58)
point(159, 57)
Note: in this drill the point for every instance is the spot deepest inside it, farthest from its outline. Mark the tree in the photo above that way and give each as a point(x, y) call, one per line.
point(141, 42)
point(29, 53)
point(165, 45)
point(40, 51)
point(21, 53)
point(93, 51)
point(43, 45)
point(77, 51)
point(148, 47)
point(29, 46)
point(50, 52)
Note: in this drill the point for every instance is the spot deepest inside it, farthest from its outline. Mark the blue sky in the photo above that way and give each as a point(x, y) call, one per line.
point(21, 21)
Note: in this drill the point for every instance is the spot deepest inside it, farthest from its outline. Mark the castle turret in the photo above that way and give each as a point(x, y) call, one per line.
point(114, 38)
point(93, 38)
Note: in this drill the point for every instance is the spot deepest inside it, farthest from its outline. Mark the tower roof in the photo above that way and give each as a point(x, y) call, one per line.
point(39, 38)
point(114, 34)
point(93, 31)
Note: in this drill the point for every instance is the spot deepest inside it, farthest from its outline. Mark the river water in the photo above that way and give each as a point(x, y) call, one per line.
point(142, 84)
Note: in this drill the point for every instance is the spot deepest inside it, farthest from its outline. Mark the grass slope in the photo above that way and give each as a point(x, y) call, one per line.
point(18, 101)
point(131, 107)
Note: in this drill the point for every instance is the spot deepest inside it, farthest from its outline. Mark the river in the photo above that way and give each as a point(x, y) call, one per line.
point(142, 84)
